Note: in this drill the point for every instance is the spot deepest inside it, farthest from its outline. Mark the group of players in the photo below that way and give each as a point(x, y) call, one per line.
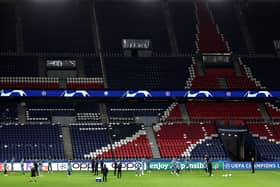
point(176, 166)
point(117, 165)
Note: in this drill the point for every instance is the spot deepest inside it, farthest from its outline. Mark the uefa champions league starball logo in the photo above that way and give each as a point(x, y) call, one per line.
point(198, 94)
point(20, 93)
point(76, 93)
point(254, 94)
point(139, 93)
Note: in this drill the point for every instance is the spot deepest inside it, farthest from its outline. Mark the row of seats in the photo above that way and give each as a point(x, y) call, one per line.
point(223, 110)
point(50, 83)
point(29, 82)
point(85, 83)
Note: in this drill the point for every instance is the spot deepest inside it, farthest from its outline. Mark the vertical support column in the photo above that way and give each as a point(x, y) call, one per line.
point(98, 47)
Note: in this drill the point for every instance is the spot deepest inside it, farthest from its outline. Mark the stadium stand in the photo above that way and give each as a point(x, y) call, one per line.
point(45, 111)
point(87, 138)
point(273, 111)
point(49, 32)
point(211, 147)
point(223, 110)
point(11, 66)
point(67, 30)
point(87, 112)
point(267, 140)
point(85, 83)
point(225, 15)
point(260, 19)
point(29, 82)
point(92, 67)
point(184, 21)
point(8, 111)
point(8, 28)
point(179, 140)
point(128, 111)
point(265, 70)
point(128, 141)
point(131, 20)
point(209, 39)
point(147, 73)
point(31, 142)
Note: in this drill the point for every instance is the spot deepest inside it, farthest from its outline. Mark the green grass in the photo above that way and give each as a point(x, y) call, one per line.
point(155, 179)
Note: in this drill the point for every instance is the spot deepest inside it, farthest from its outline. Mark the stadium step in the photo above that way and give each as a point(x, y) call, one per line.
point(21, 113)
point(67, 143)
point(264, 113)
point(185, 114)
point(222, 83)
point(237, 68)
point(200, 68)
point(153, 143)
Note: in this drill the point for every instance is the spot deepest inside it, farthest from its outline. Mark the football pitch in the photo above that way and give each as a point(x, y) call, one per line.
point(154, 179)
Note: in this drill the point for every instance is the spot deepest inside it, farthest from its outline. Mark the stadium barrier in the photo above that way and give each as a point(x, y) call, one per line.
point(130, 165)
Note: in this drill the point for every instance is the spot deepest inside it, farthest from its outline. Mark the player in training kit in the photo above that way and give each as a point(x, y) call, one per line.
point(143, 165)
point(5, 165)
point(138, 168)
point(33, 175)
point(69, 168)
point(178, 167)
point(173, 166)
point(22, 166)
point(12, 164)
point(49, 165)
point(119, 174)
point(188, 163)
point(104, 172)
